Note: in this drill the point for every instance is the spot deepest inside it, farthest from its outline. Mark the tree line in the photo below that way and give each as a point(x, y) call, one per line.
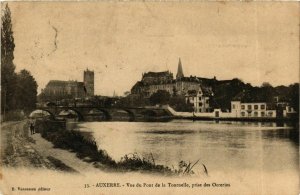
point(236, 89)
point(18, 89)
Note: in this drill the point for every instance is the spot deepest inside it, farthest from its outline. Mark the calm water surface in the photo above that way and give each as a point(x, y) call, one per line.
point(223, 147)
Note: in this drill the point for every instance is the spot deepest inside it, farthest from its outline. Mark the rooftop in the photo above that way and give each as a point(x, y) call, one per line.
point(157, 74)
point(62, 83)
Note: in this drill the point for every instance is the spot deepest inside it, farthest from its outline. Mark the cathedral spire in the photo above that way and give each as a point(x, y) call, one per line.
point(179, 74)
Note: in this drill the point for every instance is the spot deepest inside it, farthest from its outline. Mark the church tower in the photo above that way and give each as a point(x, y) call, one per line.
point(179, 74)
point(88, 79)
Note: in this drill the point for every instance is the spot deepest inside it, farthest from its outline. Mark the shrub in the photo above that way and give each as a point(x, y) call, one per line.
point(75, 141)
point(134, 162)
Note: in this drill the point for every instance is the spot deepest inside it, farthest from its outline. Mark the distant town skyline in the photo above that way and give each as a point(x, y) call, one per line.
point(120, 41)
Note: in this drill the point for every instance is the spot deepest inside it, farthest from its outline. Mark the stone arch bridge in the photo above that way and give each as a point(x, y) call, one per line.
point(94, 113)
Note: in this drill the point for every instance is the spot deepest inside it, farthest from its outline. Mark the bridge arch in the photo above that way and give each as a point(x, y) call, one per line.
point(103, 111)
point(149, 113)
point(131, 114)
point(39, 113)
point(78, 113)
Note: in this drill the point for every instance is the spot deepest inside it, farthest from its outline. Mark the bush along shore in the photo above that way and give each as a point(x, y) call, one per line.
point(87, 150)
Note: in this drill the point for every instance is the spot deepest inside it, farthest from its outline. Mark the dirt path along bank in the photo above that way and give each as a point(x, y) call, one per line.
point(20, 149)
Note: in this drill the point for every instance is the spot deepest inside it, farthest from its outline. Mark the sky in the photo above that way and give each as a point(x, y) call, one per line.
point(256, 42)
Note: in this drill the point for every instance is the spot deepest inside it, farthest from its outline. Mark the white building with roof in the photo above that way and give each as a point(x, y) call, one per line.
point(251, 110)
point(200, 99)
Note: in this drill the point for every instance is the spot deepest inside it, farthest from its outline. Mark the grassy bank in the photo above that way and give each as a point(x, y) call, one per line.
point(88, 150)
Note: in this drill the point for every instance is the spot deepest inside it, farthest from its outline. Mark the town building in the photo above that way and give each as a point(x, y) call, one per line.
point(256, 109)
point(191, 87)
point(289, 111)
point(88, 80)
point(283, 107)
point(57, 89)
point(200, 99)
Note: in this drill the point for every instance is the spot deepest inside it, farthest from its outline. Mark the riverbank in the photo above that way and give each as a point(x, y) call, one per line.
point(17, 147)
point(69, 151)
point(87, 150)
point(21, 150)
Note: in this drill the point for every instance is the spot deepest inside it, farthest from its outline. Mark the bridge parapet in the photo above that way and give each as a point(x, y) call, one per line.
point(115, 114)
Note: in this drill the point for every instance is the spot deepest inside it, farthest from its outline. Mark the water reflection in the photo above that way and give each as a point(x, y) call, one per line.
point(178, 132)
point(285, 134)
point(223, 146)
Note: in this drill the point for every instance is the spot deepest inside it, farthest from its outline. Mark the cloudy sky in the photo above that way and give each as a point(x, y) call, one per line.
point(255, 42)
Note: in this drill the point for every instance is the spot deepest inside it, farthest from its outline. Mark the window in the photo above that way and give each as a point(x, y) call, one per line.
point(255, 114)
point(262, 113)
point(199, 98)
point(249, 114)
point(200, 104)
point(243, 113)
point(255, 107)
point(270, 113)
point(243, 107)
point(262, 106)
point(207, 101)
point(233, 106)
point(249, 107)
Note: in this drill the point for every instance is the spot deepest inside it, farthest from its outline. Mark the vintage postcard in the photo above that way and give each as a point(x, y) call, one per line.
point(149, 97)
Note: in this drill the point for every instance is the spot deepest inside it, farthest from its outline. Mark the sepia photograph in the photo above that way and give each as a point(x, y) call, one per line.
point(149, 97)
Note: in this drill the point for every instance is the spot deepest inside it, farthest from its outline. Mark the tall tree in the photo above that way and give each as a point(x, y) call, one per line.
point(160, 97)
point(8, 75)
point(179, 104)
point(293, 95)
point(26, 91)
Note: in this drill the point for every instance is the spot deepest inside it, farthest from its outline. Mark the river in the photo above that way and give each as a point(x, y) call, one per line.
point(224, 147)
